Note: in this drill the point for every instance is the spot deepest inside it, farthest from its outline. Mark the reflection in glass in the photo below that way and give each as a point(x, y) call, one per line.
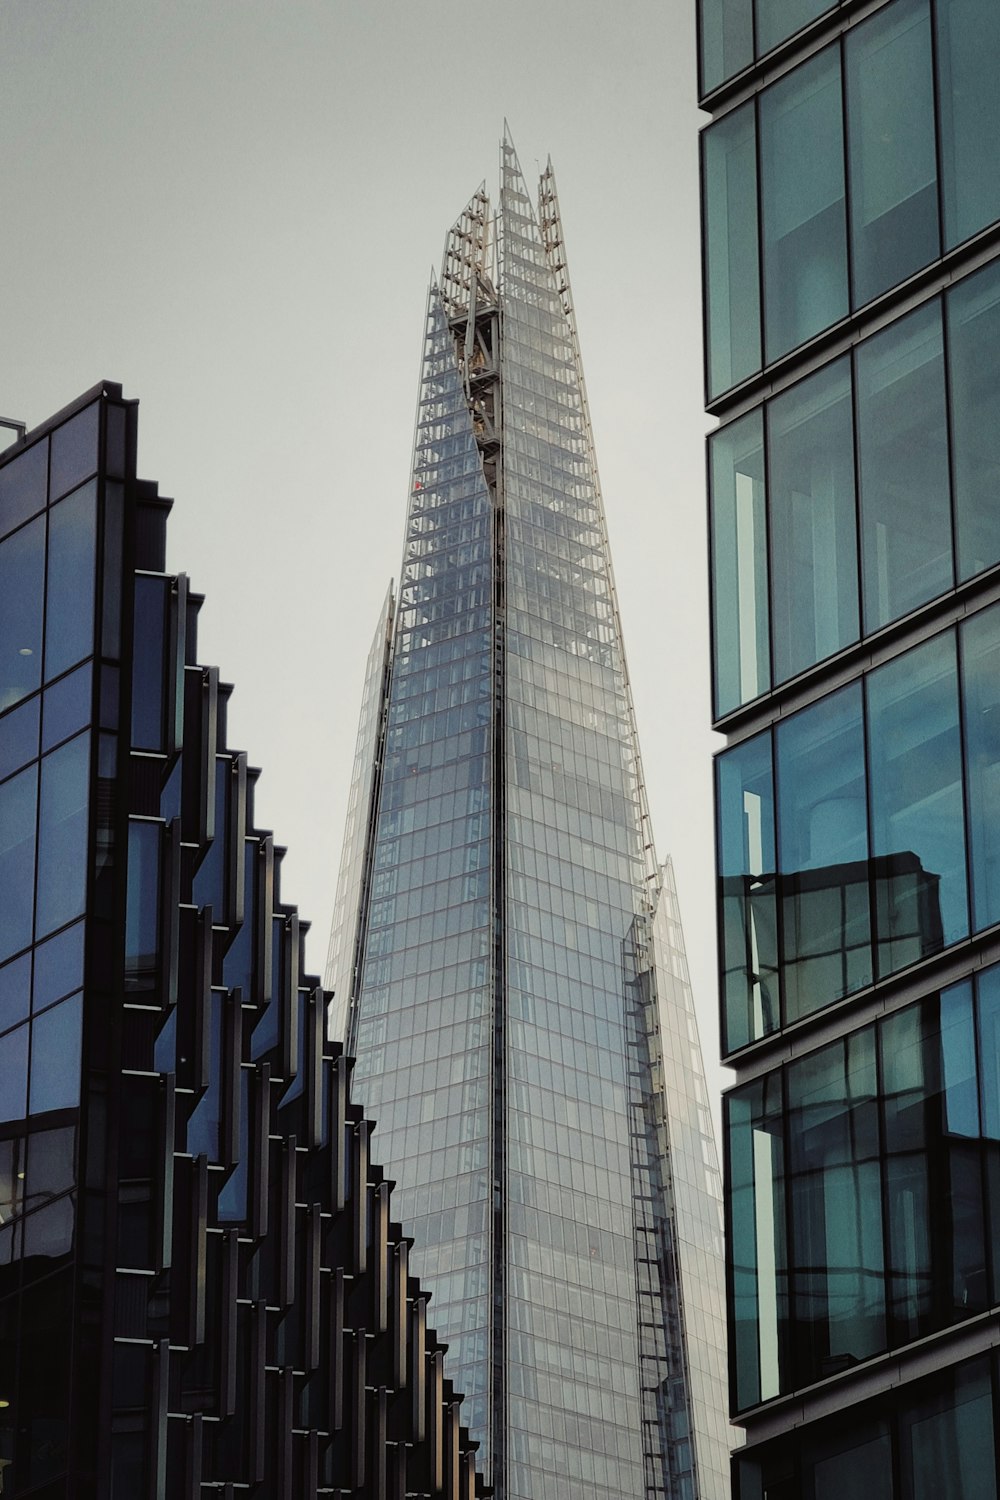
point(66, 707)
point(19, 737)
point(726, 40)
point(803, 227)
point(14, 1074)
point(903, 449)
point(58, 966)
point(973, 308)
point(62, 835)
point(778, 19)
point(69, 620)
point(23, 484)
point(891, 153)
point(739, 564)
point(748, 919)
point(15, 991)
point(56, 1037)
point(814, 558)
point(142, 916)
point(981, 703)
point(21, 598)
point(917, 813)
point(946, 1439)
point(968, 44)
point(148, 664)
point(74, 450)
point(757, 1240)
point(732, 294)
point(18, 798)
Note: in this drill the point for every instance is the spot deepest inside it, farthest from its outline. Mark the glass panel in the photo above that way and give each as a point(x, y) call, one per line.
point(18, 806)
point(903, 446)
point(726, 40)
point(814, 530)
point(823, 853)
point(22, 486)
point(62, 835)
point(15, 991)
point(14, 1074)
point(732, 292)
point(66, 707)
point(750, 976)
point(74, 450)
point(968, 44)
point(58, 966)
point(778, 19)
point(981, 707)
point(142, 919)
point(893, 172)
point(739, 563)
point(19, 737)
point(803, 228)
point(21, 563)
point(756, 1244)
point(151, 595)
point(834, 1191)
point(56, 1037)
point(973, 308)
point(51, 1164)
point(918, 840)
point(946, 1439)
point(69, 619)
point(854, 1463)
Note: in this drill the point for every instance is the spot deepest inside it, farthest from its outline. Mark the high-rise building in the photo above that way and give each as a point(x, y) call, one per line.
point(852, 275)
point(202, 1291)
point(506, 958)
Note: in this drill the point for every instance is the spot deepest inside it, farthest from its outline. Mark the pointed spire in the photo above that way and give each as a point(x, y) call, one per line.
point(466, 247)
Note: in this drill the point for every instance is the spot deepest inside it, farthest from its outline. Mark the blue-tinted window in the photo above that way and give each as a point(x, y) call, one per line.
point(66, 707)
point(917, 813)
point(893, 168)
point(14, 1074)
point(732, 294)
point(726, 40)
point(18, 806)
point(19, 737)
point(973, 319)
point(151, 597)
point(74, 451)
point(814, 534)
point(739, 564)
point(747, 908)
point(56, 1038)
point(23, 484)
point(203, 1126)
point(968, 45)
point(62, 835)
point(903, 448)
point(142, 918)
point(209, 884)
point(803, 228)
point(823, 853)
point(778, 19)
point(58, 966)
point(69, 619)
point(22, 559)
point(15, 991)
point(981, 707)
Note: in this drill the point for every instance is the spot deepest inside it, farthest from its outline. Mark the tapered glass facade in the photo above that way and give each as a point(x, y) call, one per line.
point(516, 992)
point(855, 574)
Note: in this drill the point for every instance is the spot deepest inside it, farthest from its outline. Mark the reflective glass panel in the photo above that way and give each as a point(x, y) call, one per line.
point(726, 40)
point(142, 918)
point(56, 1037)
point(803, 229)
point(19, 737)
point(66, 707)
point(973, 321)
point(855, 1462)
point(757, 1240)
point(917, 813)
point(732, 294)
point(778, 19)
point(946, 1439)
point(15, 991)
point(968, 45)
point(62, 835)
point(58, 966)
point(14, 1074)
point(18, 805)
point(21, 563)
point(981, 707)
point(903, 447)
point(893, 171)
point(747, 916)
point(814, 532)
point(739, 563)
point(23, 485)
point(148, 669)
point(69, 619)
point(823, 853)
point(74, 450)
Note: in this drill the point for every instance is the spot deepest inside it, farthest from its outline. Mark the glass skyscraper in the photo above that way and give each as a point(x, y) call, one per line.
point(506, 956)
point(851, 200)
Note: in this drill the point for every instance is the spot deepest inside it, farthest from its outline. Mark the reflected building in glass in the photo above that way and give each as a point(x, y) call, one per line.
point(851, 214)
point(506, 957)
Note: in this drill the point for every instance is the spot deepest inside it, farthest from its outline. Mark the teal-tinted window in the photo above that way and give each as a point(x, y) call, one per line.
point(968, 45)
point(917, 812)
point(981, 707)
point(18, 805)
point(739, 563)
point(22, 560)
point(748, 917)
point(732, 293)
point(803, 231)
point(778, 19)
point(69, 619)
point(757, 1240)
point(973, 320)
point(903, 448)
point(893, 170)
point(726, 40)
point(946, 1439)
point(62, 835)
point(823, 853)
point(814, 543)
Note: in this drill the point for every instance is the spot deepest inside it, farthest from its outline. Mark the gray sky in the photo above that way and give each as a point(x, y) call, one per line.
point(232, 206)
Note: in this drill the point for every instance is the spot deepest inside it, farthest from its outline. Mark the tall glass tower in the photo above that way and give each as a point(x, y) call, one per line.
point(506, 956)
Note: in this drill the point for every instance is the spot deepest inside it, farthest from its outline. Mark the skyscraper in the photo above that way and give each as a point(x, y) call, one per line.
point(506, 956)
point(852, 258)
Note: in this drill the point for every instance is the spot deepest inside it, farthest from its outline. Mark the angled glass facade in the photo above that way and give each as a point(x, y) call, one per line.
point(519, 1011)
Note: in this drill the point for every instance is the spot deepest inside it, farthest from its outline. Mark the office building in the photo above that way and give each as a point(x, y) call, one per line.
point(506, 958)
point(203, 1289)
point(851, 202)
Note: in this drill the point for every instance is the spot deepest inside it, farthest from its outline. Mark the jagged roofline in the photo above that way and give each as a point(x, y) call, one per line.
point(466, 252)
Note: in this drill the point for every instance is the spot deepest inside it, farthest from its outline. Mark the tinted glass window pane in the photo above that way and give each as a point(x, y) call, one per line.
point(823, 853)
point(14, 1074)
point(802, 204)
point(946, 1439)
point(745, 802)
point(142, 922)
point(18, 805)
point(74, 451)
point(973, 315)
point(62, 835)
point(58, 966)
point(15, 991)
point(55, 1056)
point(151, 595)
point(903, 445)
point(19, 737)
point(732, 292)
point(22, 486)
point(981, 706)
point(69, 622)
point(968, 44)
point(814, 541)
point(21, 562)
point(66, 707)
point(726, 40)
point(778, 19)
point(739, 563)
point(917, 816)
point(853, 1463)
point(893, 172)
point(756, 1245)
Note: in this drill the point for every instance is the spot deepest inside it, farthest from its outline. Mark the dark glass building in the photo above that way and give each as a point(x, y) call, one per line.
point(203, 1291)
point(851, 207)
point(507, 958)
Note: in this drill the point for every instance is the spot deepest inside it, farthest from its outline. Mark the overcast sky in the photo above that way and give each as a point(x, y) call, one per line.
point(232, 207)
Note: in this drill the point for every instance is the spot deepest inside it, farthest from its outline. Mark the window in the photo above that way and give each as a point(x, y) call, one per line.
point(973, 316)
point(62, 835)
point(981, 710)
point(731, 288)
point(968, 44)
point(21, 597)
point(946, 1439)
point(757, 1240)
point(748, 918)
point(726, 40)
point(69, 621)
point(18, 804)
point(778, 19)
point(23, 485)
point(739, 564)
